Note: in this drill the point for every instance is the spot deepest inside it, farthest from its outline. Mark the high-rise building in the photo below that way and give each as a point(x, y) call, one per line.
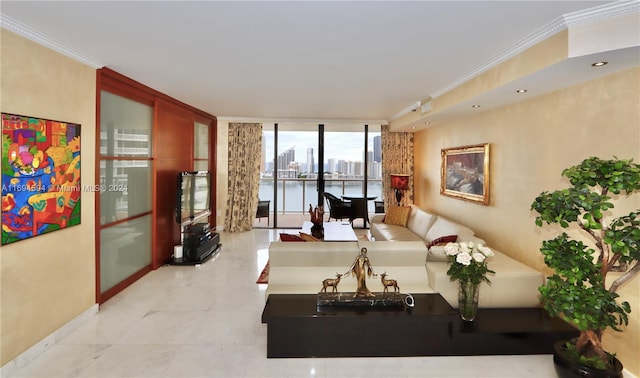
point(369, 156)
point(331, 165)
point(374, 170)
point(310, 160)
point(341, 167)
point(357, 169)
point(285, 159)
point(377, 149)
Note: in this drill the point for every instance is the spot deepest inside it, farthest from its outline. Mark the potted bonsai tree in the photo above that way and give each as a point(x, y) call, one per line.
point(578, 288)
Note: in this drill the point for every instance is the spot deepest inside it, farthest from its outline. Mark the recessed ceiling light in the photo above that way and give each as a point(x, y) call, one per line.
point(521, 91)
point(599, 64)
point(475, 106)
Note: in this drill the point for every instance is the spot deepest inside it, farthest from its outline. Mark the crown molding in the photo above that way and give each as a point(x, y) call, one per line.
point(301, 120)
point(25, 31)
point(602, 12)
point(561, 23)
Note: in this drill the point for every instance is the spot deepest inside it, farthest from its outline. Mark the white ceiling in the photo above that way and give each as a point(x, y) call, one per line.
point(325, 60)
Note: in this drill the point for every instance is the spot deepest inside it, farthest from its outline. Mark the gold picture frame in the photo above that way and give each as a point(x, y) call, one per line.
point(464, 173)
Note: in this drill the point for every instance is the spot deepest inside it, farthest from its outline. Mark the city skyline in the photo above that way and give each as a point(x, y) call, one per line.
point(337, 145)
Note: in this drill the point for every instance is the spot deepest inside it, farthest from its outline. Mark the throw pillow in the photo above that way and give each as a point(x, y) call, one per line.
point(398, 215)
point(443, 240)
point(309, 238)
point(290, 238)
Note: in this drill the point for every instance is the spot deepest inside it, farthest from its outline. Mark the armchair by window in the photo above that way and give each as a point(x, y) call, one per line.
point(338, 209)
point(263, 210)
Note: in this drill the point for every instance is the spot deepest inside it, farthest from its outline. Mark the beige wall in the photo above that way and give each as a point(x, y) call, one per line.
point(48, 280)
point(531, 143)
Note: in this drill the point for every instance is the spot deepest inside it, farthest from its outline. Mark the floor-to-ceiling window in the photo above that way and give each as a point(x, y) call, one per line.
point(125, 188)
point(291, 163)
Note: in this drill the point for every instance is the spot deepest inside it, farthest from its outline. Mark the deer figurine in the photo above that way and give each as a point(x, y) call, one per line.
point(386, 283)
point(333, 282)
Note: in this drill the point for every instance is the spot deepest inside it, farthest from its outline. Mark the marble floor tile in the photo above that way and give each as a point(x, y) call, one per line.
point(62, 361)
point(205, 321)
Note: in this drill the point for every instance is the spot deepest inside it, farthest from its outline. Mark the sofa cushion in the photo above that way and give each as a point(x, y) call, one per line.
point(397, 215)
point(395, 253)
point(290, 238)
point(383, 231)
point(444, 227)
point(437, 254)
point(419, 221)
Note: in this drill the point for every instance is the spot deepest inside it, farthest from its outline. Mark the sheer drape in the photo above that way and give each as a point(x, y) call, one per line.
point(397, 157)
point(245, 144)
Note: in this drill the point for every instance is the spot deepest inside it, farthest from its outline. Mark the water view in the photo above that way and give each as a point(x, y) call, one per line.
point(299, 193)
point(294, 160)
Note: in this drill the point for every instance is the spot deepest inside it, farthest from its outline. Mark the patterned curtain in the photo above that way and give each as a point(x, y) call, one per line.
point(397, 157)
point(245, 145)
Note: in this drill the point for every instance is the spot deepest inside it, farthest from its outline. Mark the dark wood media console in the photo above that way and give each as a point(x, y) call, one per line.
point(297, 328)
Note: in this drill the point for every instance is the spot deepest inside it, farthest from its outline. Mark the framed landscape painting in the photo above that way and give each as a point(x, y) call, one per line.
point(465, 173)
point(40, 176)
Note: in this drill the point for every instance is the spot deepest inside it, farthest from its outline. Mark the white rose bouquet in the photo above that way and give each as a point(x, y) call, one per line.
point(468, 262)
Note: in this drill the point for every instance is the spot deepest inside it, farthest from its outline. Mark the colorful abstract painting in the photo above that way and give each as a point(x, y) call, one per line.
point(40, 176)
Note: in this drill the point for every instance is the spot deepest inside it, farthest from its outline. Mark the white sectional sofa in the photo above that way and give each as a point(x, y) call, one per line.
point(421, 226)
point(299, 268)
point(402, 253)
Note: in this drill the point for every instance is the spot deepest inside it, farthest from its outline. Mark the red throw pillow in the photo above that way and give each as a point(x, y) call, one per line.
point(443, 240)
point(290, 238)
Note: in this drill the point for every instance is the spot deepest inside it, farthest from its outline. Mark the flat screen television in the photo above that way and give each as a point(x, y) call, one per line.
point(192, 195)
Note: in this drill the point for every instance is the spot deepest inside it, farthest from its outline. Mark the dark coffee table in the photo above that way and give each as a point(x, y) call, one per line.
point(297, 328)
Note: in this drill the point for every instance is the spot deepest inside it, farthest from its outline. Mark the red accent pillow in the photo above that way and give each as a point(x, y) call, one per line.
point(290, 238)
point(443, 240)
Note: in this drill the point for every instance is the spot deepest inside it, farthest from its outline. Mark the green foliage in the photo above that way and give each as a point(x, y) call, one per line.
point(618, 176)
point(587, 307)
point(577, 290)
point(593, 362)
point(569, 205)
point(623, 236)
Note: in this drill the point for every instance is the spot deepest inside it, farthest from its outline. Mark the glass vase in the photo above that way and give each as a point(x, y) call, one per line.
point(468, 300)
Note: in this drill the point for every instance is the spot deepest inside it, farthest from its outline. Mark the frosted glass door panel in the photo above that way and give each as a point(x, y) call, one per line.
point(125, 127)
point(124, 249)
point(125, 189)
